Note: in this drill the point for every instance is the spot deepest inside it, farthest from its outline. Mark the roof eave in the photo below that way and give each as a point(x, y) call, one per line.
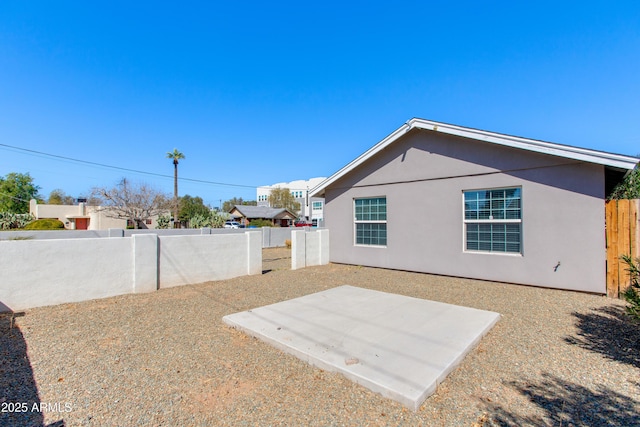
point(619, 161)
point(318, 190)
point(616, 161)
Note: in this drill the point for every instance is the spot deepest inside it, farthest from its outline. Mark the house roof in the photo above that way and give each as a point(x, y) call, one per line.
point(262, 211)
point(618, 162)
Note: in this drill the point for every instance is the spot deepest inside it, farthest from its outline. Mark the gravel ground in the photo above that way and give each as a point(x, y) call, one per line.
point(167, 359)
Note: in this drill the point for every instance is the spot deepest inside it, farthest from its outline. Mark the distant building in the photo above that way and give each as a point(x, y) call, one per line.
point(278, 216)
point(311, 208)
point(84, 217)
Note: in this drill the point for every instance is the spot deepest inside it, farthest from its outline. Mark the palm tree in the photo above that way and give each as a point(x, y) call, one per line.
point(175, 155)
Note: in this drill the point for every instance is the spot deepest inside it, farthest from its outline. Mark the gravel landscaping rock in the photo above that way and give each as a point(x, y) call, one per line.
point(167, 359)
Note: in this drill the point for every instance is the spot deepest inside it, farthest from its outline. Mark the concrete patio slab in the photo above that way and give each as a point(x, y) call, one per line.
point(398, 346)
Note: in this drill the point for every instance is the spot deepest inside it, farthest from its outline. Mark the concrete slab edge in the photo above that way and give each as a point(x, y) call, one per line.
point(329, 367)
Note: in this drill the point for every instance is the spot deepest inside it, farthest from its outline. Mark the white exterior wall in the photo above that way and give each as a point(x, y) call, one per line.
point(196, 259)
point(309, 248)
point(49, 272)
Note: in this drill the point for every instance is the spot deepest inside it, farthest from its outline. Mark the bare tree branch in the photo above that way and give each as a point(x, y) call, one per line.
point(133, 202)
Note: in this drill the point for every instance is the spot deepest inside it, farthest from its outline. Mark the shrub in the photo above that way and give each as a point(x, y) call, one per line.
point(260, 223)
point(45, 224)
point(632, 293)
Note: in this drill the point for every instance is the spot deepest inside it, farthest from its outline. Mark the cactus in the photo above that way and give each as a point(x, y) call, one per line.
point(9, 220)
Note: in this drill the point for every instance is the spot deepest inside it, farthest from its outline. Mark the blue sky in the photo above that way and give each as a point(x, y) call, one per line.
point(255, 93)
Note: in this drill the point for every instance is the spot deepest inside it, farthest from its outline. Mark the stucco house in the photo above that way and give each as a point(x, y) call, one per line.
point(278, 216)
point(444, 199)
point(84, 217)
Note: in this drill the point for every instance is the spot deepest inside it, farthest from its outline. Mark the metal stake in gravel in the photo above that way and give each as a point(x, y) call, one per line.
point(398, 346)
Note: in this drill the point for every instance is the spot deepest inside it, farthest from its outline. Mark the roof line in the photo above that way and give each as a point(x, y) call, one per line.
point(617, 161)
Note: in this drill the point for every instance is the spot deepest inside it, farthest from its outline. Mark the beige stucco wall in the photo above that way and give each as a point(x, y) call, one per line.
point(423, 176)
point(98, 219)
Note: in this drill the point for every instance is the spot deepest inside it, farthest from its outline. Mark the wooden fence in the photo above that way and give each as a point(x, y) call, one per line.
point(622, 239)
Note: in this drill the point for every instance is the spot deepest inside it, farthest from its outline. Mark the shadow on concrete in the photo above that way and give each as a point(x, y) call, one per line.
point(19, 399)
point(610, 332)
point(568, 404)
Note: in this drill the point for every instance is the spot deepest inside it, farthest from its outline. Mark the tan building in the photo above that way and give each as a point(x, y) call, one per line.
point(83, 217)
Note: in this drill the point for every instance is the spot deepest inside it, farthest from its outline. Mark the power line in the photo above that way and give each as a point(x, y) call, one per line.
point(9, 196)
point(470, 175)
point(202, 181)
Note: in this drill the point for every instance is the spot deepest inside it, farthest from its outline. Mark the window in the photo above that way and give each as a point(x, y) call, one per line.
point(493, 220)
point(371, 221)
point(317, 206)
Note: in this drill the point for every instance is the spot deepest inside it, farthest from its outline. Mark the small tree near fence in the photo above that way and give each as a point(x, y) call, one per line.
point(632, 293)
point(629, 188)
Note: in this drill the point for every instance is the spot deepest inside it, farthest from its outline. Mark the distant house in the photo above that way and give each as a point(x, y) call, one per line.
point(84, 217)
point(278, 216)
point(311, 208)
point(444, 199)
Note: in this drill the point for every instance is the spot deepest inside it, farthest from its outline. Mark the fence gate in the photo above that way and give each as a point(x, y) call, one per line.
point(622, 239)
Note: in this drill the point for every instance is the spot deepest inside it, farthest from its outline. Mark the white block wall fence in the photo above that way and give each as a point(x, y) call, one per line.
point(47, 272)
point(309, 248)
point(272, 237)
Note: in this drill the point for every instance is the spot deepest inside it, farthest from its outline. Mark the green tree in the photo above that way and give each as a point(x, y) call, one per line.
point(282, 198)
point(629, 188)
point(229, 204)
point(59, 197)
point(16, 189)
point(191, 207)
point(175, 155)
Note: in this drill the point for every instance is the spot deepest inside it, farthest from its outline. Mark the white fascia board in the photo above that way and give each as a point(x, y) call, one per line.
point(618, 161)
point(319, 189)
point(566, 151)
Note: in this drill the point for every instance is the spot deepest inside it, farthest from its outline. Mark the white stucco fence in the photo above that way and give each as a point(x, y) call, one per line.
point(47, 272)
point(272, 237)
point(309, 247)
point(197, 259)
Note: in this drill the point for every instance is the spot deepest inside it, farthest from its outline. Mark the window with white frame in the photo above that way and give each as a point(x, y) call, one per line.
point(371, 221)
point(316, 206)
point(493, 220)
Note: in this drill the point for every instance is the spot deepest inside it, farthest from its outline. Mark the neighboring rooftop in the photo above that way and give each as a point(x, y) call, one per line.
point(260, 211)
